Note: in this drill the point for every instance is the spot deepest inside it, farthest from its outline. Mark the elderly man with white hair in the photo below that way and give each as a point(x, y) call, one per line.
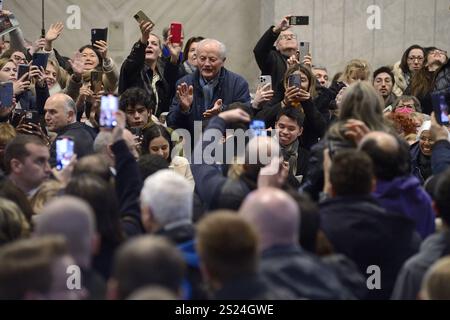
point(207, 91)
point(167, 205)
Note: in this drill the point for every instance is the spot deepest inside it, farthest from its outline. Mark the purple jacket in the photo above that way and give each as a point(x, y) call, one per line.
point(405, 195)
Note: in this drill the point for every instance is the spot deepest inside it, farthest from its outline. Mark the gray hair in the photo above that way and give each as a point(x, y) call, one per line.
point(169, 196)
point(102, 141)
point(73, 219)
point(220, 45)
point(70, 105)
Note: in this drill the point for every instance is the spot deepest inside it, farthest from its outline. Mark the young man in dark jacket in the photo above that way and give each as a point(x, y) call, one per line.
point(359, 227)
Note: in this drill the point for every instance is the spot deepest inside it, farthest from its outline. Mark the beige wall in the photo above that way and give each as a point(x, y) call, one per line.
point(234, 22)
point(337, 33)
point(338, 28)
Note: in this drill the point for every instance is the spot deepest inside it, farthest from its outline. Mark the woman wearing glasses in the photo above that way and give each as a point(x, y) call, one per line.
point(422, 81)
point(412, 61)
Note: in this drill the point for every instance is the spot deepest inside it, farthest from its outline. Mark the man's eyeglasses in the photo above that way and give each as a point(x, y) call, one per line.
point(438, 53)
point(288, 36)
point(412, 59)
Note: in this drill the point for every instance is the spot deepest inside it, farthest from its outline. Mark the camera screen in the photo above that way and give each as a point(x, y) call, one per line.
point(441, 108)
point(64, 152)
point(258, 128)
point(109, 106)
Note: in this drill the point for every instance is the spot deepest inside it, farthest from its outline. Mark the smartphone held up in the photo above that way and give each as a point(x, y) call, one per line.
point(265, 81)
point(64, 152)
point(441, 104)
point(176, 32)
point(299, 20)
point(108, 108)
point(6, 94)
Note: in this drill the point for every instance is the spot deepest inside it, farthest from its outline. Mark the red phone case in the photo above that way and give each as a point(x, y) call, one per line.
point(175, 31)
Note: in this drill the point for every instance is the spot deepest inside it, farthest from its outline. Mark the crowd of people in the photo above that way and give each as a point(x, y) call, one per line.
point(350, 174)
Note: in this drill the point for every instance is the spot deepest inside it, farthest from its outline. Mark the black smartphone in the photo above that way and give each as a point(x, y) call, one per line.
point(32, 117)
point(64, 152)
point(99, 35)
point(141, 16)
point(16, 116)
point(40, 59)
point(96, 81)
point(295, 80)
point(441, 108)
point(21, 70)
point(299, 21)
point(6, 94)
point(108, 108)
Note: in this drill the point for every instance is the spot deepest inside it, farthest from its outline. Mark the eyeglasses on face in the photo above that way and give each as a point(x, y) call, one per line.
point(438, 52)
point(288, 37)
point(412, 59)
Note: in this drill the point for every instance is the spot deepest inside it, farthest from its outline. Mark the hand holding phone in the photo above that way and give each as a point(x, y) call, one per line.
point(304, 51)
point(441, 108)
point(142, 17)
point(22, 70)
point(32, 117)
point(40, 59)
point(266, 80)
point(99, 35)
point(295, 80)
point(96, 81)
point(108, 108)
point(299, 20)
point(176, 32)
point(64, 152)
point(6, 94)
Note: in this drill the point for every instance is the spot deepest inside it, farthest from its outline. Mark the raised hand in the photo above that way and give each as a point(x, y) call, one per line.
point(21, 84)
point(185, 95)
point(102, 48)
point(52, 34)
point(37, 45)
point(146, 28)
point(77, 63)
point(263, 94)
point(283, 25)
point(214, 110)
point(39, 74)
point(291, 95)
point(174, 48)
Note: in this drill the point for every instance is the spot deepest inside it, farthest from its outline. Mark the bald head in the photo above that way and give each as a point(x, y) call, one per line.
point(390, 156)
point(60, 111)
point(275, 216)
point(73, 219)
point(385, 141)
